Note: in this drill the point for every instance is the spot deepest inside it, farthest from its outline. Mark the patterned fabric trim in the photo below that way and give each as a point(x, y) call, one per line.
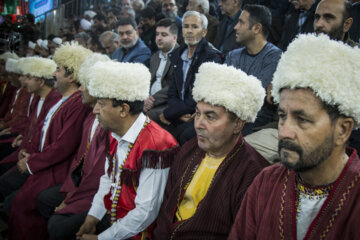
point(281, 215)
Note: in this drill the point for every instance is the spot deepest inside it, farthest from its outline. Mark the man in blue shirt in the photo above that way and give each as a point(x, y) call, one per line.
point(132, 49)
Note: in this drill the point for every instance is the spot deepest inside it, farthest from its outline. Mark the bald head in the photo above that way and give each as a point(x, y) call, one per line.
point(332, 17)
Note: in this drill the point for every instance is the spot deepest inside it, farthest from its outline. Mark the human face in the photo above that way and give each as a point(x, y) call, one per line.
point(128, 36)
point(107, 115)
point(146, 23)
point(33, 84)
point(329, 19)
point(192, 30)
point(302, 4)
point(86, 97)
point(191, 6)
point(22, 80)
point(165, 40)
point(306, 133)
point(109, 46)
point(214, 129)
point(126, 3)
point(228, 7)
point(243, 29)
point(169, 8)
point(62, 81)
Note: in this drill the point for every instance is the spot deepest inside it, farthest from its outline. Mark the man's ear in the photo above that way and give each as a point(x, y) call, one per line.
point(124, 110)
point(347, 24)
point(343, 128)
point(239, 124)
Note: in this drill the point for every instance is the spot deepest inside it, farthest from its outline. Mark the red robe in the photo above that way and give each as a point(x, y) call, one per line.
point(49, 168)
point(20, 107)
point(6, 98)
point(32, 134)
point(90, 162)
point(268, 209)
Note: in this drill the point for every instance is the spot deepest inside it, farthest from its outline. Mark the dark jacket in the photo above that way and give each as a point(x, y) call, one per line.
point(227, 40)
point(291, 25)
point(140, 53)
point(177, 107)
point(355, 28)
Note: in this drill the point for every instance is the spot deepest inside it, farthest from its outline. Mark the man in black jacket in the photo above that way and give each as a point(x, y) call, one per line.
point(185, 60)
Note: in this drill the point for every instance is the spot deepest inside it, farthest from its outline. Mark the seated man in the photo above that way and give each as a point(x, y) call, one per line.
point(186, 60)
point(6, 89)
point(138, 156)
point(59, 136)
point(132, 48)
point(161, 69)
point(212, 172)
point(72, 200)
point(110, 41)
point(314, 192)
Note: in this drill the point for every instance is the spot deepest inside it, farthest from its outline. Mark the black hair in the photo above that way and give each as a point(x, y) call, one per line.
point(136, 107)
point(333, 111)
point(259, 14)
point(167, 22)
point(30, 17)
point(100, 17)
point(147, 13)
point(69, 37)
point(347, 10)
point(127, 21)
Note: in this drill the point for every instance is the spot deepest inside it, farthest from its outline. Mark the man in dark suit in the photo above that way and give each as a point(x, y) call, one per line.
point(225, 39)
point(160, 69)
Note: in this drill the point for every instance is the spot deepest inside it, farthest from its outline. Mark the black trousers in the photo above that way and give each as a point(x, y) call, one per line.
point(48, 200)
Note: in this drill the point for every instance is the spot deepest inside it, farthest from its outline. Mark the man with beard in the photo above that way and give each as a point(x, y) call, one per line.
point(110, 41)
point(147, 27)
point(211, 172)
point(186, 60)
point(132, 48)
point(170, 10)
point(313, 193)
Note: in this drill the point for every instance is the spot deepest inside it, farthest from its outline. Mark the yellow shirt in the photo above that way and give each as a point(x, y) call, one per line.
point(198, 187)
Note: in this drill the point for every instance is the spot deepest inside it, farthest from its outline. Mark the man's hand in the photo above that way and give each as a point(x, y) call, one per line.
point(186, 117)
point(163, 119)
point(21, 154)
point(5, 131)
point(88, 237)
point(149, 103)
point(17, 141)
point(88, 227)
point(21, 164)
point(61, 206)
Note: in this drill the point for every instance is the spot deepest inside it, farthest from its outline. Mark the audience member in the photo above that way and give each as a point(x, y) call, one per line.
point(138, 158)
point(147, 28)
point(170, 10)
point(161, 69)
point(212, 172)
point(132, 48)
point(110, 41)
point(355, 29)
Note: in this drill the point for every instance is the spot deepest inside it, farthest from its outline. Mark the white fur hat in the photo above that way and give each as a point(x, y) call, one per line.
point(121, 81)
point(89, 63)
point(231, 88)
point(71, 55)
point(31, 45)
point(12, 66)
point(38, 67)
point(330, 68)
point(20, 65)
point(5, 56)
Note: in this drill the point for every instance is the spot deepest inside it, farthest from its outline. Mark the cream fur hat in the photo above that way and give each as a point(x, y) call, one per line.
point(12, 66)
point(231, 88)
point(38, 67)
point(71, 55)
point(5, 56)
point(121, 81)
point(330, 68)
point(20, 65)
point(88, 64)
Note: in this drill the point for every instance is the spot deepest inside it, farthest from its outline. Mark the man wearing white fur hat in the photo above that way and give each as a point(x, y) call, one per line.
point(314, 192)
point(59, 138)
point(211, 173)
point(138, 157)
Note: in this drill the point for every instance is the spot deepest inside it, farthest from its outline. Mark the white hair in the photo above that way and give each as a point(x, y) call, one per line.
point(204, 21)
point(204, 4)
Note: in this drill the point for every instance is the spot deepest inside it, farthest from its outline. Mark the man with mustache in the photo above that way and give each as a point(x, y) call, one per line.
point(211, 172)
point(132, 48)
point(313, 193)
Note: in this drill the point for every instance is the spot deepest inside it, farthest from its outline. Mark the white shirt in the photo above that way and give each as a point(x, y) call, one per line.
point(157, 84)
point(93, 128)
point(149, 194)
point(31, 99)
point(16, 97)
point(39, 106)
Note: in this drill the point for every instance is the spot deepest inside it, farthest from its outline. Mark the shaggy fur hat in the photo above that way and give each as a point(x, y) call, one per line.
point(87, 64)
point(71, 55)
point(231, 88)
point(5, 56)
point(38, 67)
point(330, 68)
point(121, 81)
point(12, 66)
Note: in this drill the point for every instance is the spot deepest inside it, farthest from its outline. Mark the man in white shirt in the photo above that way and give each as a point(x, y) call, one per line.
point(160, 68)
point(138, 157)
